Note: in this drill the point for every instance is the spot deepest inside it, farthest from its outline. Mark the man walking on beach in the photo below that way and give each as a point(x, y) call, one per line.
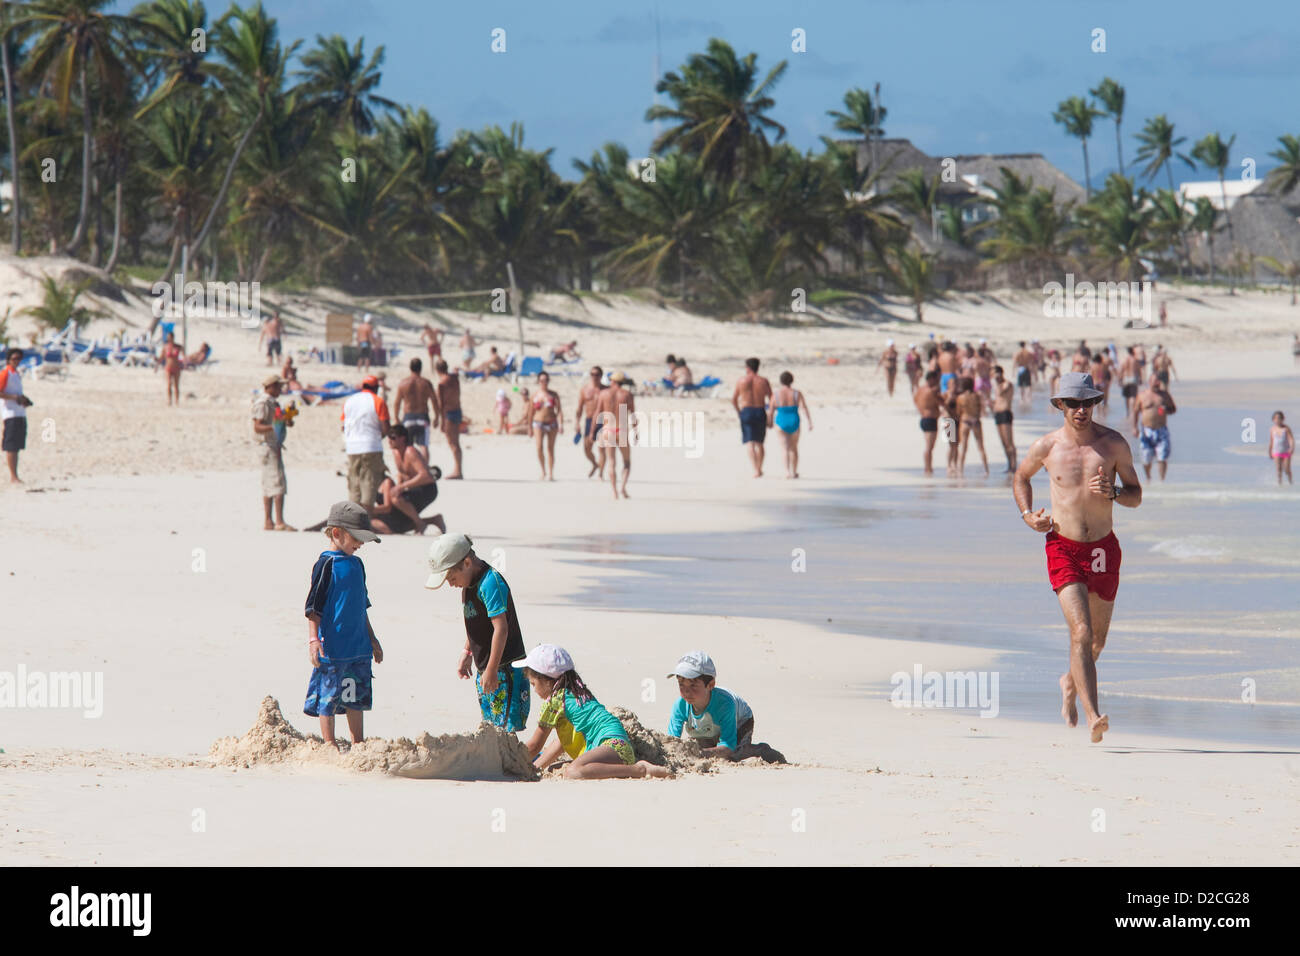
point(1151, 411)
point(614, 410)
point(750, 399)
point(365, 340)
point(1130, 377)
point(268, 426)
point(1163, 365)
point(415, 396)
point(928, 403)
point(13, 412)
point(272, 332)
point(1003, 395)
point(448, 400)
point(365, 425)
point(1024, 363)
point(1082, 459)
point(587, 418)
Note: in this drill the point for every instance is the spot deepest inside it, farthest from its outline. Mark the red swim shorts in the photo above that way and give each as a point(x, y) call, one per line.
point(1096, 563)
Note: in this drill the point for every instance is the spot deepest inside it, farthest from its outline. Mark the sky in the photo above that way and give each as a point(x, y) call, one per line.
point(956, 76)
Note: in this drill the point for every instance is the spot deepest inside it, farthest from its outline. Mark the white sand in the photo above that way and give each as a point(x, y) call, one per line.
point(102, 577)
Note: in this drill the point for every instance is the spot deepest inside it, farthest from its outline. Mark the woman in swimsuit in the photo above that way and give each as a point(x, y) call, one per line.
point(1281, 446)
point(173, 362)
point(970, 406)
point(912, 366)
point(784, 414)
point(545, 419)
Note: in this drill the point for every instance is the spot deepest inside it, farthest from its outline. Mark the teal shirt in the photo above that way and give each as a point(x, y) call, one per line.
point(580, 727)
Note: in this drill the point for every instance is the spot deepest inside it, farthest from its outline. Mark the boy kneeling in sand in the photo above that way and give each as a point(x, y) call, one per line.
point(340, 639)
point(584, 729)
point(712, 716)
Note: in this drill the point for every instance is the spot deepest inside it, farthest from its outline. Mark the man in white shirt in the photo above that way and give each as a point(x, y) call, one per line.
point(365, 425)
point(13, 411)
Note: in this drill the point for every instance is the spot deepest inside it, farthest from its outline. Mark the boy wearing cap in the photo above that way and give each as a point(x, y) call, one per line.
point(341, 641)
point(266, 415)
point(493, 640)
point(1082, 459)
point(713, 716)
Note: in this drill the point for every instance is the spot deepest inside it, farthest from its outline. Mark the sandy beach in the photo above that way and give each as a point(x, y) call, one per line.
point(135, 550)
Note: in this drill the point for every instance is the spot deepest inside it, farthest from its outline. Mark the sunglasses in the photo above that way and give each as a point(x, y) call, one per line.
point(1079, 402)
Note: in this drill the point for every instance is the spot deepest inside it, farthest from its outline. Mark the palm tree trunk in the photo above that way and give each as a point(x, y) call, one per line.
point(80, 232)
point(15, 204)
point(117, 226)
point(1087, 174)
point(225, 182)
point(97, 246)
point(1119, 147)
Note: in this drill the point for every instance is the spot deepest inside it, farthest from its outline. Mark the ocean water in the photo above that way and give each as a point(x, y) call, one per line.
point(1208, 609)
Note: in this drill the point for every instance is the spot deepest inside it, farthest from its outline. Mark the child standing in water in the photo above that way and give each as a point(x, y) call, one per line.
point(1281, 445)
point(585, 730)
point(340, 638)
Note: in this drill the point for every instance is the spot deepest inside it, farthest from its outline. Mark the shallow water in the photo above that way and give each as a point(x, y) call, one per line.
point(1208, 596)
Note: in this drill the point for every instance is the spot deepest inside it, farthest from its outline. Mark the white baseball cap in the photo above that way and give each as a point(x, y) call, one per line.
point(694, 664)
point(889, 341)
point(547, 659)
point(445, 553)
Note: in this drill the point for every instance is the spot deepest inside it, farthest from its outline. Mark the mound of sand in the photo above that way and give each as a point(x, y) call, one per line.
point(679, 756)
point(486, 754)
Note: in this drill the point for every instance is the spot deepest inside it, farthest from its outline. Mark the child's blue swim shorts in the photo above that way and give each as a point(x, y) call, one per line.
point(336, 687)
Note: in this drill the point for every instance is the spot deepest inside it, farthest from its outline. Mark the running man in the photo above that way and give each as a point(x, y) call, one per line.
point(1003, 394)
point(365, 340)
point(411, 407)
point(1163, 365)
point(750, 400)
point(929, 403)
point(1082, 460)
point(448, 401)
point(615, 408)
point(587, 397)
point(1151, 410)
point(889, 361)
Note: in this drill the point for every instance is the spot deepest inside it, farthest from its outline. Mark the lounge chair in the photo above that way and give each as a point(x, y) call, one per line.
point(709, 383)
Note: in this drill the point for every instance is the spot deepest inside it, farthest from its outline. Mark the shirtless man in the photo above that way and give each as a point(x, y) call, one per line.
point(750, 399)
point(432, 340)
point(1024, 362)
point(415, 395)
point(587, 397)
point(949, 364)
point(1130, 377)
point(614, 409)
point(1151, 411)
point(272, 332)
point(1163, 365)
point(929, 404)
point(365, 341)
point(889, 361)
point(467, 344)
point(682, 376)
point(494, 362)
point(448, 402)
point(1082, 460)
point(1099, 369)
point(1003, 394)
point(400, 502)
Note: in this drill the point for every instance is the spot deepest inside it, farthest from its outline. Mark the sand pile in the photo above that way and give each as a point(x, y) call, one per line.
point(679, 756)
point(487, 754)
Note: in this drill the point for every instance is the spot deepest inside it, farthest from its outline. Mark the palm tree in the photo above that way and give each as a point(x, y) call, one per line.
point(860, 116)
point(1032, 230)
point(432, 194)
point(341, 83)
point(1288, 269)
point(1118, 226)
point(914, 193)
point(166, 31)
point(720, 113)
point(59, 304)
point(15, 203)
point(1213, 152)
point(1202, 220)
point(1159, 148)
point(1286, 176)
point(1170, 224)
point(74, 37)
point(1111, 95)
point(914, 275)
point(1076, 115)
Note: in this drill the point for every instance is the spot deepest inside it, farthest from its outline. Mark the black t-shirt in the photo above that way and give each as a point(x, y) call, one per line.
point(481, 601)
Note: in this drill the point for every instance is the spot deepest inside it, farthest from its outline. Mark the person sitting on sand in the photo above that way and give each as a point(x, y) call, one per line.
point(584, 729)
point(289, 374)
point(494, 362)
point(400, 501)
point(717, 719)
point(340, 640)
point(523, 426)
point(1281, 446)
point(565, 353)
point(493, 639)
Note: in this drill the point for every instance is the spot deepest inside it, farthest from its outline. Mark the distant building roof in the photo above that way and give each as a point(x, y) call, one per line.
point(1262, 224)
point(1210, 189)
point(988, 167)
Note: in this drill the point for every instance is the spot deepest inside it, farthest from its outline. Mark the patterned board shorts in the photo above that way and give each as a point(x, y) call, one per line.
point(621, 746)
point(507, 706)
point(334, 688)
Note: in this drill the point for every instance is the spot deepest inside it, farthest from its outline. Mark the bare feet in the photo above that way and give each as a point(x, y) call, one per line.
point(593, 471)
point(284, 527)
point(268, 526)
point(1099, 727)
point(438, 523)
point(653, 770)
point(1068, 695)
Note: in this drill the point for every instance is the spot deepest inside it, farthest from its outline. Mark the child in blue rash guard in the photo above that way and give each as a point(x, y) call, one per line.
point(585, 730)
point(493, 639)
point(713, 716)
point(340, 639)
